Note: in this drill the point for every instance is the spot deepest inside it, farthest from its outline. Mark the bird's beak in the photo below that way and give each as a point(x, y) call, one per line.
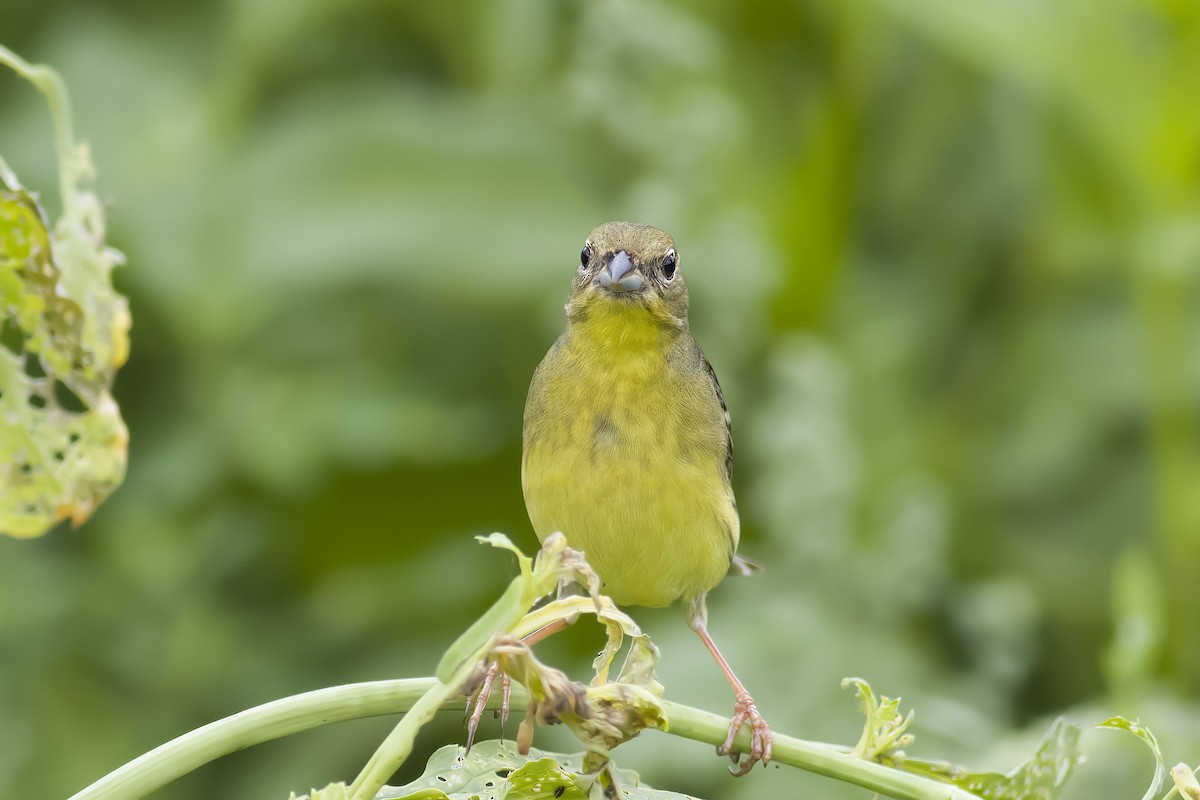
point(619, 275)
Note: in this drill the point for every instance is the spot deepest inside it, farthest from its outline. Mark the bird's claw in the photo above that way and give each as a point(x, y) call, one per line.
point(761, 738)
point(480, 701)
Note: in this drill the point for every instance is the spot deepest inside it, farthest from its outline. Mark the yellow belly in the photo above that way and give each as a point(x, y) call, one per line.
point(625, 455)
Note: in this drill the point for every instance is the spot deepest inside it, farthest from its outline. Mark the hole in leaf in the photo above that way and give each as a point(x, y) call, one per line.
point(33, 366)
point(11, 337)
point(504, 773)
point(67, 400)
point(25, 468)
point(37, 401)
point(59, 455)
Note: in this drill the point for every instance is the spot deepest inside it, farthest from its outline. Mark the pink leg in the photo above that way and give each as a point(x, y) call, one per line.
point(745, 712)
point(489, 679)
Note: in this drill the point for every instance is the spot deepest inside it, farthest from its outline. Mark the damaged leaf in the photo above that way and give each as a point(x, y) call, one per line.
point(64, 333)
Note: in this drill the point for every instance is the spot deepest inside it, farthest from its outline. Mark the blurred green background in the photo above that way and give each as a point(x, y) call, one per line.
point(944, 256)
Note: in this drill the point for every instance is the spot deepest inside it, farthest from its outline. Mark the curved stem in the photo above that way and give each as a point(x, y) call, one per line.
point(51, 85)
point(273, 720)
point(302, 712)
point(396, 748)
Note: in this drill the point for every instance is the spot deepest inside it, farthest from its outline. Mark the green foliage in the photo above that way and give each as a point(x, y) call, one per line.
point(65, 332)
point(883, 735)
point(1041, 777)
point(1182, 776)
point(943, 258)
point(1143, 733)
point(602, 715)
point(495, 771)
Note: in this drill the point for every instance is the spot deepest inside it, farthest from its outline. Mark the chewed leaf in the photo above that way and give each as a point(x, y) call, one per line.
point(495, 771)
point(64, 332)
point(617, 712)
point(63, 445)
point(1039, 778)
point(1143, 733)
point(640, 662)
point(543, 778)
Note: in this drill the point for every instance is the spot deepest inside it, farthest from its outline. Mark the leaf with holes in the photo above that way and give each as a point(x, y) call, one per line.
point(1040, 778)
point(64, 332)
point(494, 770)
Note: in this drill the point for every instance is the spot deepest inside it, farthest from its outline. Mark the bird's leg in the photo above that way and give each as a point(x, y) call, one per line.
point(489, 678)
point(481, 701)
point(745, 712)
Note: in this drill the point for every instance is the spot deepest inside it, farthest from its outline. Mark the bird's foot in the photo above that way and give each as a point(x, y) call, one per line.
point(479, 701)
point(761, 738)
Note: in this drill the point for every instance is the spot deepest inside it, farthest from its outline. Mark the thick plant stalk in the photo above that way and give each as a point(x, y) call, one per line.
point(273, 720)
point(301, 712)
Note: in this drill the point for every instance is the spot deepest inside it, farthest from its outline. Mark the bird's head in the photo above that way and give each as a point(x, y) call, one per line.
point(631, 267)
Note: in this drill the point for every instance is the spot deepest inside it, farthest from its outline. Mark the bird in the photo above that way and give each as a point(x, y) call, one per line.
point(627, 445)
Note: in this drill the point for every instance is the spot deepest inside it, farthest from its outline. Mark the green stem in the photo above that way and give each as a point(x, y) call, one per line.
point(273, 720)
point(823, 759)
point(388, 757)
point(421, 697)
point(50, 84)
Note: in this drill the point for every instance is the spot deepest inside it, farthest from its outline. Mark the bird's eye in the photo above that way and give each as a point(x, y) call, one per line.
point(583, 257)
point(668, 267)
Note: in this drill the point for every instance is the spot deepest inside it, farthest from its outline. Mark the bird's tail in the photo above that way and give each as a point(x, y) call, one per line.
point(740, 565)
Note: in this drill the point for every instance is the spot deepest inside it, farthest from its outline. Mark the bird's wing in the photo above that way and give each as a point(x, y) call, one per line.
point(716, 385)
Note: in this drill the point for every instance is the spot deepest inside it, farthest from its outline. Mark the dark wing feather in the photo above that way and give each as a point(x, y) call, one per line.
point(716, 385)
point(738, 565)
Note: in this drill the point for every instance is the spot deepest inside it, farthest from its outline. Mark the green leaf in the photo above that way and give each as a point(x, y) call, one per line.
point(553, 563)
point(543, 778)
point(334, 791)
point(64, 332)
point(883, 735)
point(1143, 733)
point(493, 770)
point(1039, 778)
point(63, 447)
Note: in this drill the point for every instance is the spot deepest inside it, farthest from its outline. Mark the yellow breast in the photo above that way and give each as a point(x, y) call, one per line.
point(624, 453)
